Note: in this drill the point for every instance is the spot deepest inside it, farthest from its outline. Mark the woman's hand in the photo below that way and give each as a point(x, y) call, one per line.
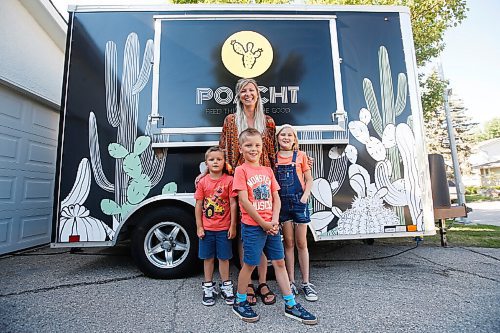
point(199, 177)
point(310, 161)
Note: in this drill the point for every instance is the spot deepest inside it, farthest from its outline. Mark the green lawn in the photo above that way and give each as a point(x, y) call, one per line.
point(471, 235)
point(457, 235)
point(478, 197)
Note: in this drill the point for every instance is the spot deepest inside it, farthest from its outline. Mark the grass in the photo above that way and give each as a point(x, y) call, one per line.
point(457, 235)
point(472, 235)
point(478, 198)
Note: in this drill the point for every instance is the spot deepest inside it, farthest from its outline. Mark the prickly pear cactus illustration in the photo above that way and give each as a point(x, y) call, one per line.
point(249, 56)
point(395, 144)
point(383, 120)
point(139, 184)
point(139, 170)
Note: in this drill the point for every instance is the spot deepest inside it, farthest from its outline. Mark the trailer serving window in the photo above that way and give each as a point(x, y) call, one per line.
point(198, 59)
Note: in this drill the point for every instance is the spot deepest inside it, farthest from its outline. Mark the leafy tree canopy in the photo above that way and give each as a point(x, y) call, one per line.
point(491, 130)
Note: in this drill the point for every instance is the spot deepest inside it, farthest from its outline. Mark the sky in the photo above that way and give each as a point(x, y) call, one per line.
point(470, 60)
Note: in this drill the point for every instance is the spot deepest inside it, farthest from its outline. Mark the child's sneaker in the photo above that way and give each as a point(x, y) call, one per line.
point(226, 292)
point(297, 312)
point(295, 291)
point(209, 293)
point(245, 312)
point(310, 292)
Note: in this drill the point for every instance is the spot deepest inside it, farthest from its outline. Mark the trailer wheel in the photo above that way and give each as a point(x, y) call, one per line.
point(369, 241)
point(164, 246)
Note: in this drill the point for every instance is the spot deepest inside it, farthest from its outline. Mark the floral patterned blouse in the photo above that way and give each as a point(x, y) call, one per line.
point(229, 142)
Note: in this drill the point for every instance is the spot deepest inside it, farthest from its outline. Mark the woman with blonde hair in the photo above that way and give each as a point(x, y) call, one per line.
point(250, 114)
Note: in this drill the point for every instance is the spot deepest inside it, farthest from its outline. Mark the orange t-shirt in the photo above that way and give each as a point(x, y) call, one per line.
point(216, 208)
point(260, 183)
point(301, 165)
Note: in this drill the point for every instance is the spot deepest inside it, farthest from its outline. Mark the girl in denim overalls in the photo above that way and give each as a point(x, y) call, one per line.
point(294, 177)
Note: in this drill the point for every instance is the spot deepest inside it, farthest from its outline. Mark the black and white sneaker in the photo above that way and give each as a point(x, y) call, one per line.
point(310, 292)
point(209, 293)
point(297, 312)
point(227, 291)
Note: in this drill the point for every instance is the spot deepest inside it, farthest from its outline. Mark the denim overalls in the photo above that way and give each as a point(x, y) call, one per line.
point(290, 193)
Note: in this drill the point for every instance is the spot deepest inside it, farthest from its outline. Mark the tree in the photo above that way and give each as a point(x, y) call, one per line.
point(430, 19)
point(491, 130)
point(432, 88)
point(464, 129)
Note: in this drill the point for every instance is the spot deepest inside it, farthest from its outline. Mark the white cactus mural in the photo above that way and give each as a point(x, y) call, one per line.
point(76, 222)
point(122, 113)
point(137, 169)
point(393, 145)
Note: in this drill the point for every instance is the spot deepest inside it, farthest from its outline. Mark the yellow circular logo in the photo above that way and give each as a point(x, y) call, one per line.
point(247, 54)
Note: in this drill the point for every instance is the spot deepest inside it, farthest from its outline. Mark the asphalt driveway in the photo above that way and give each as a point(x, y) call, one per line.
point(427, 288)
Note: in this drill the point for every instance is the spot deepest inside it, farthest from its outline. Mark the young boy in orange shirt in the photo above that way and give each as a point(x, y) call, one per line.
point(216, 212)
point(259, 201)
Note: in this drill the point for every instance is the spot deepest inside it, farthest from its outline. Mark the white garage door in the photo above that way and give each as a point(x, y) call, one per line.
point(28, 141)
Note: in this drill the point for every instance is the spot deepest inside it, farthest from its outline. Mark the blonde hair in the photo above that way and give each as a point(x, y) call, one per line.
point(247, 133)
point(240, 117)
point(220, 150)
point(295, 145)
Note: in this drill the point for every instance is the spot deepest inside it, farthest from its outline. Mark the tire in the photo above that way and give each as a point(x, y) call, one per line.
point(369, 241)
point(164, 243)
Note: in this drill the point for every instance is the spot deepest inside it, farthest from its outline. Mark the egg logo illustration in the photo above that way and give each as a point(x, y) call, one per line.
point(247, 54)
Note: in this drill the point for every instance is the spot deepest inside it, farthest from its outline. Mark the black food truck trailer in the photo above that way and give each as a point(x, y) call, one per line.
point(146, 90)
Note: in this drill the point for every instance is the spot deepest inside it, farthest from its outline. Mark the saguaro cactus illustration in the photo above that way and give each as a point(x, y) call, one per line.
point(390, 108)
point(122, 112)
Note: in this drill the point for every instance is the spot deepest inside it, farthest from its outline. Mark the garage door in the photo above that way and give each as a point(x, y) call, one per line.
point(28, 140)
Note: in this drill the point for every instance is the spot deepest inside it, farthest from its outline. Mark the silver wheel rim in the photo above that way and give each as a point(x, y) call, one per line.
point(166, 245)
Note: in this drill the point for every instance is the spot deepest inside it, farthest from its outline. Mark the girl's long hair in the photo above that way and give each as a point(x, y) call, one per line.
point(240, 117)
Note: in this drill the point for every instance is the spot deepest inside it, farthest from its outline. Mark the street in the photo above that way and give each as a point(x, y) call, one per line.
point(487, 212)
point(427, 288)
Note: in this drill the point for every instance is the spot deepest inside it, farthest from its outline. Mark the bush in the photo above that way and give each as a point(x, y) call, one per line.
point(471, 190)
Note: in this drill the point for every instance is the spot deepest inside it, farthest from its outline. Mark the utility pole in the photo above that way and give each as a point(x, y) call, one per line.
point(453, 147)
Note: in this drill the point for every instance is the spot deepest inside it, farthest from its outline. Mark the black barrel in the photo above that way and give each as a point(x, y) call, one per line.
point(439, 183)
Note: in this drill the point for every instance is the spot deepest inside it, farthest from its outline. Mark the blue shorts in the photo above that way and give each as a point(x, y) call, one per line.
point(255, 240)
point(215, 244)
point(294, 210)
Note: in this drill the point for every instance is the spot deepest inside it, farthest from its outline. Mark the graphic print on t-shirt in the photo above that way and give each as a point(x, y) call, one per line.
point(261, 192)
point(214, 204)
point(260, 185)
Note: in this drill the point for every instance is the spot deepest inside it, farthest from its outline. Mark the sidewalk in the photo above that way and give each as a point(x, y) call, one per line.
point(485, 212)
